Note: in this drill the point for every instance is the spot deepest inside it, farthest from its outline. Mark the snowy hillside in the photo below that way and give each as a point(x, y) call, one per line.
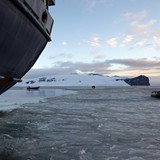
point(74, 80)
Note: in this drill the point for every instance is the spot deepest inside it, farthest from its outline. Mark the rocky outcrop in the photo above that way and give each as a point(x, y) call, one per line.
point(138, 81)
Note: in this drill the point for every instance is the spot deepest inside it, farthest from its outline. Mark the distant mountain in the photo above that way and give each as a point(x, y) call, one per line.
point(74, 80)
point(138, 81)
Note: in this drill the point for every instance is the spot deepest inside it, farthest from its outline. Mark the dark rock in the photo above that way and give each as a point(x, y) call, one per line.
point(94, 74)
point(138, 81)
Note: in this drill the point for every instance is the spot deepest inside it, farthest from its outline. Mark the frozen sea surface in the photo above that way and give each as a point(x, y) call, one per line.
point(95, 124)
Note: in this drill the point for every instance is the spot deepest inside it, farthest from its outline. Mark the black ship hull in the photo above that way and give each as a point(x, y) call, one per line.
point(21, 43)
point(32, 88)
point(155, 94)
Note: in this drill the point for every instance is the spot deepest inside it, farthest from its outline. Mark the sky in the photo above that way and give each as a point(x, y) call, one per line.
point(109, 37)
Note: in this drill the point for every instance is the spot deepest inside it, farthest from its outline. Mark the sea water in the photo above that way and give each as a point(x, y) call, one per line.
point(107, 123)
point(15, 98)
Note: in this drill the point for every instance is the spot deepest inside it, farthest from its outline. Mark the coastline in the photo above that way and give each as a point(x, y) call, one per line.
point(83, 87)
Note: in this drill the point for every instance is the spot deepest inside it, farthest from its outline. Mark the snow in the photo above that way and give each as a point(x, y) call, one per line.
point(74, 80)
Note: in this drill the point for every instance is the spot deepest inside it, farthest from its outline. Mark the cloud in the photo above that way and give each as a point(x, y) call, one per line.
point(135, 23)
point(156, 39)
point(144, 30)
point(95, 41)
point(95, 54)
point(131, 67)
point(99, 56)
point(64, 43)
point(137, 63)
point(61, 56)
point(91, 4)
point(134, 16)
point(140, 43)
point(126, 40)
point(69, 67)
point(136, 26)
point(112, 42)
point(84, 67)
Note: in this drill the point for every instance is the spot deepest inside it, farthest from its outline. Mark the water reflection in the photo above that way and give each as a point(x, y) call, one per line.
point(46, 93)
point(15, 98)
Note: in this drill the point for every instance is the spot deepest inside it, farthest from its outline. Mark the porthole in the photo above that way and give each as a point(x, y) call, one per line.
point(44, 17)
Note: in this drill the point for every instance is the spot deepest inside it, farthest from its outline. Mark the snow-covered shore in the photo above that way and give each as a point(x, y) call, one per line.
point(74, 80)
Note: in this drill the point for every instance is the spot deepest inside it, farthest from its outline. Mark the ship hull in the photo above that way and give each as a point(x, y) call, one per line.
point(21, 43)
